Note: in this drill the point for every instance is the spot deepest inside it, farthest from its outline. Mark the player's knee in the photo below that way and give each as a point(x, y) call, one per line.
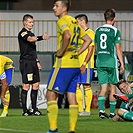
point(87, 86)
point(72, 101)
point(26, 87)
point(50, 95)
point(35, 86)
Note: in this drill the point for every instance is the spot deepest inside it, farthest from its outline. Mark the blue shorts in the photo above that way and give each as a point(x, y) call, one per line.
point(9, 73)
point(63, 80)
point(87, 76)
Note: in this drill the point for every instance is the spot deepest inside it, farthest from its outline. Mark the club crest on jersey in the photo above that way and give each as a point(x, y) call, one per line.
point(23, 33)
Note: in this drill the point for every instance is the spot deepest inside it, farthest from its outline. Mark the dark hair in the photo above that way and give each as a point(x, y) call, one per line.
point(109, 14)
point(26, 16)
point(120, 82)
point(83, 16)
point(67, 3)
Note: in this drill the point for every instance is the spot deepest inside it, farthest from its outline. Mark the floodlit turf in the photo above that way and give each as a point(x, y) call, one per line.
point(15, 123)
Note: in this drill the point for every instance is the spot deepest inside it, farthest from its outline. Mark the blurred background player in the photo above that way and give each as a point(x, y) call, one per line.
point(85, 77)
point(62, 101)
point(64, 74)
point(6, 72)
point(126, 108)
point(29, 64)
point(108, 47)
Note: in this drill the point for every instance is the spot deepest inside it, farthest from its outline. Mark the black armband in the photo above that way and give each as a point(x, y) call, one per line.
point(39, 38)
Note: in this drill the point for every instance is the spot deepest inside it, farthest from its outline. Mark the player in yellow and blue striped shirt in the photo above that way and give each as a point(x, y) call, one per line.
point(6, 72)
point(64, 75)
point(85, 78)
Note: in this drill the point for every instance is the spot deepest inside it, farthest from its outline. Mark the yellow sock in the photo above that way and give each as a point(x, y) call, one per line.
point(52, 114)
point(88, 99)
point(79, 99)
point(7, 97)
point(73, 116)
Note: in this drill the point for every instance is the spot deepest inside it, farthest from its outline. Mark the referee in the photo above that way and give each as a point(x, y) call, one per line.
point(29, 64)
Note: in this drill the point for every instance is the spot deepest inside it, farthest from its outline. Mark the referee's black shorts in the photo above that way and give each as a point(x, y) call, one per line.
point(29, 71)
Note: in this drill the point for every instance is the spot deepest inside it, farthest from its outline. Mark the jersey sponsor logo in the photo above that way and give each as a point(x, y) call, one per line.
point(104, 29)
point(103, 52)
point(24, 33)
point(74, 57)
point(71, 49)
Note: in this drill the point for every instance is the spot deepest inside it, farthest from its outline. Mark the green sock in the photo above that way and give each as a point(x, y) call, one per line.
point(112, 106)
point(128, 116)
point(101, 101)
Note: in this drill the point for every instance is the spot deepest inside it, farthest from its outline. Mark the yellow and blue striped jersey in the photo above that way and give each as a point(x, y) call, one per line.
point(5, 63)
point(69, 59)
point(82, 56)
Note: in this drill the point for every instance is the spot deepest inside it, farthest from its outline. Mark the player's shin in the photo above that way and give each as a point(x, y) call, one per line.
point(73, 116)
point(128, 116)
point(5, 110)
point(101, 101)
point(7, 97)
point(52, 110)
point(112, 107)
point(79, 99)
point(88, 99)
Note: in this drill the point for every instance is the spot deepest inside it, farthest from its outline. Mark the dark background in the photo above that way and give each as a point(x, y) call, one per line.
point(76, 5)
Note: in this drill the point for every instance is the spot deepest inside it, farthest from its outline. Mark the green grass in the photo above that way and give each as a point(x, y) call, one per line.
point(15, 123)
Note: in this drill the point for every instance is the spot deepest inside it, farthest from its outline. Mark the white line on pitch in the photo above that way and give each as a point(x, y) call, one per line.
point(22, 131)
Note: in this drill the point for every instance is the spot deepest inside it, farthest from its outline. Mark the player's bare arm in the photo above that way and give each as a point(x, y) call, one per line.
point(45, 36)
point(86, 43)
point(39, 65)
point(88, 56)
point(66, 39)
point(38, 38)
point(90, 52)
point(120, 56)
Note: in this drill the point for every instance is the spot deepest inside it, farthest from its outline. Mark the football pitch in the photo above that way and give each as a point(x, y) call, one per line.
point(16, 123)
